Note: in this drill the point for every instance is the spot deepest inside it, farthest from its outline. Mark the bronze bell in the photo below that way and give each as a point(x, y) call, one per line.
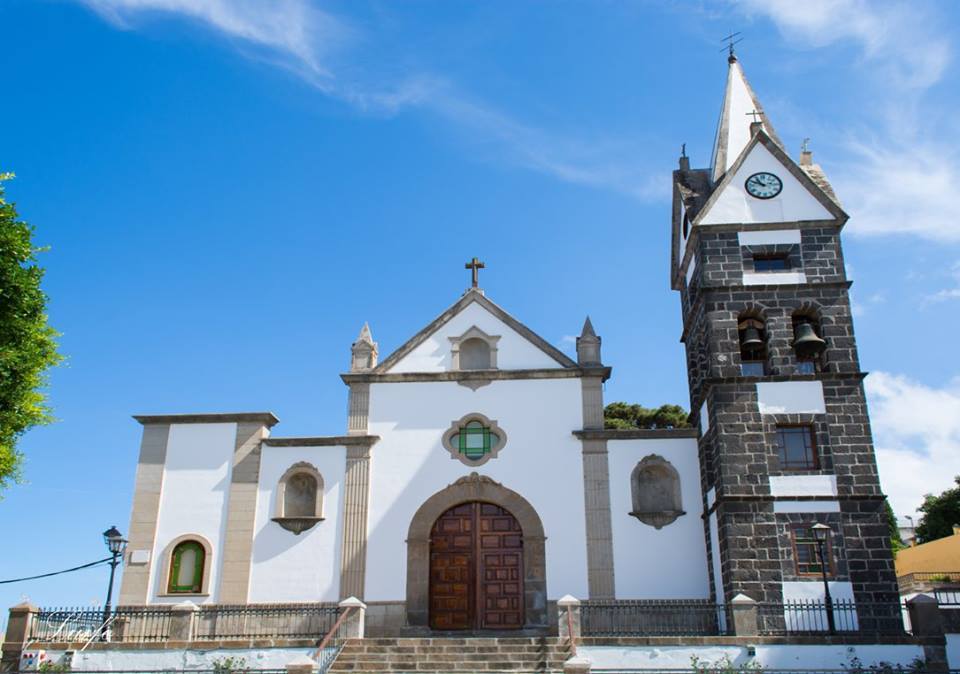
point(807, 343)
point(750, 338)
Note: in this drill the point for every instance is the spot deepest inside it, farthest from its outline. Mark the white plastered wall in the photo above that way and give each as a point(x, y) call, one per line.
point(669, 563)
point(514, 352)
point(306, 567)
point(541, 461)
point(794, 203)
point(196, 485)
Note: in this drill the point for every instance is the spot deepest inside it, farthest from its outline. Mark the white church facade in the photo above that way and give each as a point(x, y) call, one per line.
point(475, 484)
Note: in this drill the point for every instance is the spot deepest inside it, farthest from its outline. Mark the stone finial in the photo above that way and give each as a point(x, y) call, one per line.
point(363, 351)
point(588, 345)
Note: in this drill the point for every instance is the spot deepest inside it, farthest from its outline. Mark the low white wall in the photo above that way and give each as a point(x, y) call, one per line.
point(177, 658)
point(649, 563)
point(770, 656)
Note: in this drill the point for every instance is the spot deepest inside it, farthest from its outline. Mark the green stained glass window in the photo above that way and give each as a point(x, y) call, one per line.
point(475, 440)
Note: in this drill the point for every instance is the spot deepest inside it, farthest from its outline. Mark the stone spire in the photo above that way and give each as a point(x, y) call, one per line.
point(740, 117)
point(588, 346)
point(363, 351)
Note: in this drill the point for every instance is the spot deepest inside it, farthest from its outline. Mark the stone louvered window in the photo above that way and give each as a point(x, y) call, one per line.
point(186, 568)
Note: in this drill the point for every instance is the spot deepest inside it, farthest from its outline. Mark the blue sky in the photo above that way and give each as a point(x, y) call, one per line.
point(230, 189)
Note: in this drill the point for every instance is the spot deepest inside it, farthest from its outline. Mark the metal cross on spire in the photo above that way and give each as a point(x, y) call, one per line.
point(475, 266)
point(757, 115)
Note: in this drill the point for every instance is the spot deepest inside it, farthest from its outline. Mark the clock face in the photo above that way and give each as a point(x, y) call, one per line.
point(763, 185)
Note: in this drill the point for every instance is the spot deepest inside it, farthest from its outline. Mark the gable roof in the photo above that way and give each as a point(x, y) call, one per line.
point(776, 150)
point(474, 295)
point(733, 129)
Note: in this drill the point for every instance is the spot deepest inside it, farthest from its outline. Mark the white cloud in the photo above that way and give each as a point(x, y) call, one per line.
point(899, 180)
point(901, 39)
point(917, 435)
point(947, 293)
point(312, 43)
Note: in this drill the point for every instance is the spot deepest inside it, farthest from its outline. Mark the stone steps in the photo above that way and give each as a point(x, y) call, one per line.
point(453, 655)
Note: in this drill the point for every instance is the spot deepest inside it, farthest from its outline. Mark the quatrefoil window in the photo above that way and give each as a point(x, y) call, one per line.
point(474, 439)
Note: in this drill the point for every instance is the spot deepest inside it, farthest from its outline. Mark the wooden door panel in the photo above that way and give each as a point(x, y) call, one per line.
point(476, 569)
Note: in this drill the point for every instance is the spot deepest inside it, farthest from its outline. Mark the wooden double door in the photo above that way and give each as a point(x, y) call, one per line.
point(476, 569)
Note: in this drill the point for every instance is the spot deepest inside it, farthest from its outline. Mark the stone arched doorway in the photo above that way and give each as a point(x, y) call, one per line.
point(477, 489)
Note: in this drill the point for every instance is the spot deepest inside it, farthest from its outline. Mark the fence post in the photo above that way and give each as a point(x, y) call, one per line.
point(744, 616)
point(18, 632)
point(577, 665)
point(925, 619)
point(568, 617)
point(182, 621)
point(301, 664)
point(353, 626)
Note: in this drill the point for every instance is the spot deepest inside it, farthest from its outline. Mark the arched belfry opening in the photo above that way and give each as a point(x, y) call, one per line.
point(476, 560)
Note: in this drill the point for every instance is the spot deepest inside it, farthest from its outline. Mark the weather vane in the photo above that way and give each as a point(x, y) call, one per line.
point(731, 40)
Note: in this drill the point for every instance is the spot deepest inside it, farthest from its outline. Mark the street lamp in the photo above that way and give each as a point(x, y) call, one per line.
point(116, 545)
point(821, 534)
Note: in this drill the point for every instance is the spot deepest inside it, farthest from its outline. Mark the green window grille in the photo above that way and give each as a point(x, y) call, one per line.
point(186, 568)
point(475, 440)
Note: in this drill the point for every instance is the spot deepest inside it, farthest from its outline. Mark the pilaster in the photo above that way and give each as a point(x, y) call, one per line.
point(135, 586)
point(596, 492)
point(358, 413)
point(353, 564)
point(241, 513)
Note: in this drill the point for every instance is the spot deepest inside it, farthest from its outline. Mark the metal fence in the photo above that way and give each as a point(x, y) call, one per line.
point(813, 617)
point(621, 618)
point(85, 624)
point(264, 621)
point(143, 624)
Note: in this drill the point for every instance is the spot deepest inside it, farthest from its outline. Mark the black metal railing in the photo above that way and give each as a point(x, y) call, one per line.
point(264, 621)
point(80, 624)
point(142, 624)
point(813, 617)
point(641, 618)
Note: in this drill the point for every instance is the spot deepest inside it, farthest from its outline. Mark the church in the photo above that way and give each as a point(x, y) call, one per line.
point(474, 483)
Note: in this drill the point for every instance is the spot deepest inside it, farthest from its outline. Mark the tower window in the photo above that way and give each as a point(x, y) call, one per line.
point(805, 552)
point(753, 347)
point(797, 448)
point(807, 344)
point(771, 262)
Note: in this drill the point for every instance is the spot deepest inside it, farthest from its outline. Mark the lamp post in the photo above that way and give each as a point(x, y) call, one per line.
point(821, 533)
point(116, 544)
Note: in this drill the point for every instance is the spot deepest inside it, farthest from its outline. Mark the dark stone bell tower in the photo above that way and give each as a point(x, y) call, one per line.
point(774, 376)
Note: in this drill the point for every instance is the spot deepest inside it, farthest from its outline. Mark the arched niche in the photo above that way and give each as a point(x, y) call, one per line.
point(655, 488)
point(299, 501)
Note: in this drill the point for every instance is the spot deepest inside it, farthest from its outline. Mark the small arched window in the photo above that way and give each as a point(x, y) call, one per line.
point(474, 354)
point(807, 343)
point(655, 488)
point(753, 346)
point(186, 568)
point(299, 498)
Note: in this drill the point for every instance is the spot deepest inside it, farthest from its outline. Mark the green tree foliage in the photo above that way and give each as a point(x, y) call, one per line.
point(622, 415)
point(28, 344)
point(896, 543)
point(940, 513)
